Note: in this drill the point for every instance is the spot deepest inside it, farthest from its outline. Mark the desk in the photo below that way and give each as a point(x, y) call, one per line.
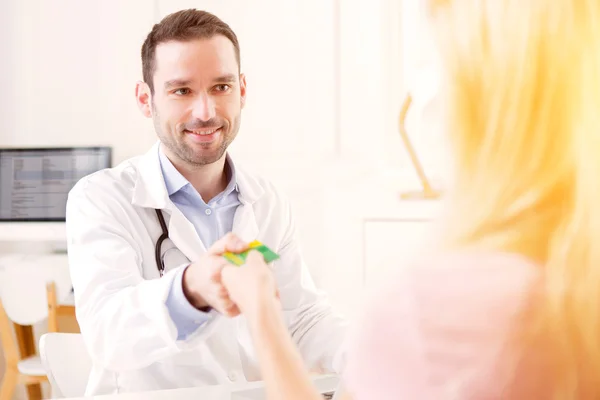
point(248, 391)
point(206, 393)
point(32, 232)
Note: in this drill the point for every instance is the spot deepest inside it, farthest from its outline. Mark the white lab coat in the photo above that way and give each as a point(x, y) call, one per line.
point(112, 229)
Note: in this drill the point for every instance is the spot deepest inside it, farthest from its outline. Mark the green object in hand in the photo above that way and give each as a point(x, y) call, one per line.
point(240, 258)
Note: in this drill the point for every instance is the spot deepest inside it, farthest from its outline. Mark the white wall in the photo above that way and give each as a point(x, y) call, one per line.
point(77, 63)
point(8, 68)
point(7, 71)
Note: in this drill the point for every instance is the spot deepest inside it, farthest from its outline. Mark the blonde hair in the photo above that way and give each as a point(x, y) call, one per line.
point(522, 87)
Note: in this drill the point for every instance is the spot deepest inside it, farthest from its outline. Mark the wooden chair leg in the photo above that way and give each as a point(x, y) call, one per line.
point(52, 307)
point(25, 339)
point(34, 391)
point(8, 384)
point(33, 385)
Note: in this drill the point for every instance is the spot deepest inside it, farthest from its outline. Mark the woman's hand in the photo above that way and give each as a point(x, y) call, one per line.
point(252, 286)
point(202, 280)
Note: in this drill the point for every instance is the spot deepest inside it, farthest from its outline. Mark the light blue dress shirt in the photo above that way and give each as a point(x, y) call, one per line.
point(212, 221)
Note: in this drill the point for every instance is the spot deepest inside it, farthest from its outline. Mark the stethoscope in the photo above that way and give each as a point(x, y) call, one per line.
point(160, 264)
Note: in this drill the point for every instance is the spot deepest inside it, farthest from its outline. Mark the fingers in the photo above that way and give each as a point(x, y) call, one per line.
point(227, 274)
point(215, 271)
point(222, 293)
point(224, 304)
point(232, 311)
point(229, 242)
point(209, 284)
point(228, 307)
point(230, 279)
point(255, 258)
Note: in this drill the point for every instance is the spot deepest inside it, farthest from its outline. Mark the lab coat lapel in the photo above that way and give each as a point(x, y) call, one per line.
point(184, 236)
point(244, 222)
point(150, 192)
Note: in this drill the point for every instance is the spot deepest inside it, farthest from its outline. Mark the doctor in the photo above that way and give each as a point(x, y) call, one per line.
point(145, 237)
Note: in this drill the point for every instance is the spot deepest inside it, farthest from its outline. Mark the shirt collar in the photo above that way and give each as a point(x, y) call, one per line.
point(174, 181)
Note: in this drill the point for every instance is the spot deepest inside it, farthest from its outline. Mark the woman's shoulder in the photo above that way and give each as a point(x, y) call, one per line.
point(487, 273)
point(459, 291)
point(464, 281)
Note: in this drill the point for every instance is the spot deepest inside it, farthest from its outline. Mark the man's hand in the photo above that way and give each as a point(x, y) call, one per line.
point(252, 286)
point(202, 283)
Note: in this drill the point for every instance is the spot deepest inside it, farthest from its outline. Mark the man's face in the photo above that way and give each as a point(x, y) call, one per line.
point(198, 97)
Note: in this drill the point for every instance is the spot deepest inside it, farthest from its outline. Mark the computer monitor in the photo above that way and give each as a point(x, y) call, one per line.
point(35, 182)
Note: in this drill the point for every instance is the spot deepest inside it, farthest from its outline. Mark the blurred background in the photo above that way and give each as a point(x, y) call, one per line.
point(326, 82)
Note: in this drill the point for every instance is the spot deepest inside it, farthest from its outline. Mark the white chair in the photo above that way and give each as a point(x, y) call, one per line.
point(27, 370)
point(66, 363)
point(25, 290)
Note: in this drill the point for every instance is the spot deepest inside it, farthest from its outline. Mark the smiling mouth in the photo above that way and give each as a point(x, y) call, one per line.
point(204, 136)
point(202, 132)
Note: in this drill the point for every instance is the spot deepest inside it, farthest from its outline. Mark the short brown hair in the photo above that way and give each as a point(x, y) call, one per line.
point(184, 25)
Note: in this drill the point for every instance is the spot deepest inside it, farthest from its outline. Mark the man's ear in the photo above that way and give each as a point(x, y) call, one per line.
point(143, 97)
point(243, 90)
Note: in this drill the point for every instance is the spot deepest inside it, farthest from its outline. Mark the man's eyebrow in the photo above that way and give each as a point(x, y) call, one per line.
point(228, 78)
point(177, 83)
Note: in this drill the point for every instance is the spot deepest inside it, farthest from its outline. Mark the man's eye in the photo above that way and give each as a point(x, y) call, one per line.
point(182, 92)
point(222, 88)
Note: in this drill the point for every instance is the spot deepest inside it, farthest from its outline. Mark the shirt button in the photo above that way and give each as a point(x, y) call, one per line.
point(232, 376)
point(208, 211)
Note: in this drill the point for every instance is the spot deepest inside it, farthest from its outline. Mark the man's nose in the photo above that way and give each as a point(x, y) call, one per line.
point(204, 108)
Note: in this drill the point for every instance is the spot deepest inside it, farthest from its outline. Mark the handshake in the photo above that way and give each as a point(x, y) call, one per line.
point(232, 277)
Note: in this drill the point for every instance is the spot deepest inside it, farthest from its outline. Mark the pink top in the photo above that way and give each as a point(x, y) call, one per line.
point(440, 331)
